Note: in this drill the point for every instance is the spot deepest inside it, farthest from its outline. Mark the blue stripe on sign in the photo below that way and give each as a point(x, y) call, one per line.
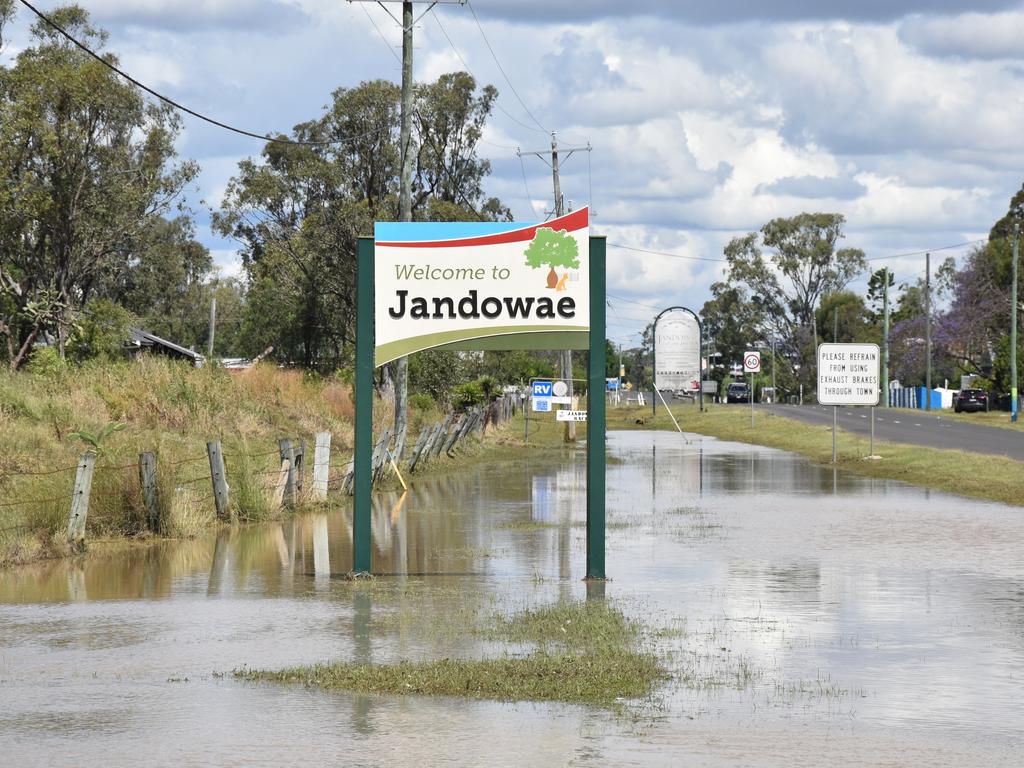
point(417, 231)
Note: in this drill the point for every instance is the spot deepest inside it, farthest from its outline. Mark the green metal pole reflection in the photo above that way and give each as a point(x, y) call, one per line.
point(364, 408)
point(596, 412)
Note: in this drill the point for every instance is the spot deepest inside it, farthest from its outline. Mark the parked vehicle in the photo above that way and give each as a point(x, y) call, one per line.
point(738, 392)
point(970, 400)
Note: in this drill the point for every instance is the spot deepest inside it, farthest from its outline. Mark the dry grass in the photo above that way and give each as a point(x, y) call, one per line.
point(168, 408)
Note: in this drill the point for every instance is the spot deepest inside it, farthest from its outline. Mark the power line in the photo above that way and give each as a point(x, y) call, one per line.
point(529, 197)
point(171, 102)
point(638, 303)
point(504, 111)
point(929, 250)
point(381, 33)
point(502, 70)
point(664, 253)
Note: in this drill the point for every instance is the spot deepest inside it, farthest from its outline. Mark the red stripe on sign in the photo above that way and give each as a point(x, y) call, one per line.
point(571, 222)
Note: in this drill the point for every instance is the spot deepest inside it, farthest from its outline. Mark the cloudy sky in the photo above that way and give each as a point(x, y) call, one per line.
point(706, 118)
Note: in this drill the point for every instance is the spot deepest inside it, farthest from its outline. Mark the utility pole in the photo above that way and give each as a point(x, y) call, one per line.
point(885, 339)
point(1013, 324)
point(213, 328)
point(565, 355)
point(407, 157)
point(928, 331)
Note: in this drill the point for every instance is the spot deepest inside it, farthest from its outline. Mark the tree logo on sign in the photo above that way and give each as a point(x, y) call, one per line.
point(553, 249)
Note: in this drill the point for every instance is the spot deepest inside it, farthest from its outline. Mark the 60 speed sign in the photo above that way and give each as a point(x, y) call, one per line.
point(751, 362)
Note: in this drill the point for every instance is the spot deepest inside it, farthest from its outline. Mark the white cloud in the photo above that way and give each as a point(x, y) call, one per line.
point(969, 35)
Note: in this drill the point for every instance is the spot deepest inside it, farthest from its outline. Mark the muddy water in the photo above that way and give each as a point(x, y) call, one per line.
point(808, 618)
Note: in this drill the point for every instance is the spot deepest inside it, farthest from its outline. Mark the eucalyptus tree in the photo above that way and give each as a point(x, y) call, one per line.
point(298, 211)
point(87, 165)
point(787, 267)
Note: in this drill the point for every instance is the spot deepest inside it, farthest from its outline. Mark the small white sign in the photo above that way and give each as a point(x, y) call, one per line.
point(752, 362)
point(542, 404)
point(848, 374)
point(561, 400)
point(571, 415)
point(560, 389)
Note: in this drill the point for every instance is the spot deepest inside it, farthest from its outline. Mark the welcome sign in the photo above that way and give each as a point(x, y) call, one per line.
point(481, 285)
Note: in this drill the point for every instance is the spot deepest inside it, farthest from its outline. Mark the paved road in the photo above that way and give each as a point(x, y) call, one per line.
point(912, 427)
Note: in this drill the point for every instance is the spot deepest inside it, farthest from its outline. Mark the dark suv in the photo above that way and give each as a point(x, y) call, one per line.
point(970, 400)
point(738, 392)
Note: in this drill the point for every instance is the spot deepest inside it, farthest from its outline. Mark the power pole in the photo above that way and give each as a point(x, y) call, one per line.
point(885, 339)
point(928, 331)
point(407, 156)
point(213, 328)
point(1013, 324)
point(565, 356)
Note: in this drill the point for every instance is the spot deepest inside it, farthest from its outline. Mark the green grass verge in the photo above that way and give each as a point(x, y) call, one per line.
point(579, 653)
point(999, 419)
point(994, 478)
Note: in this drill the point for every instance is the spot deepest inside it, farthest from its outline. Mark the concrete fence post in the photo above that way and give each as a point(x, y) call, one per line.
point(80, 499)
point(321, 465)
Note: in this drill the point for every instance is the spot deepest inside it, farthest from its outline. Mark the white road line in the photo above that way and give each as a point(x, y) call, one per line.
point(917, 425)
point(895, 421)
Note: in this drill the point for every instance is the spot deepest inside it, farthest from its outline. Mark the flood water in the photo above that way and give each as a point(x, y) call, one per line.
point(807, 617)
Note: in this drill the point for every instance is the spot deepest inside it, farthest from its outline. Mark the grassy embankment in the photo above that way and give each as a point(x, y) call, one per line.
point(581, 653)
point(164, 407)
point(994, 478)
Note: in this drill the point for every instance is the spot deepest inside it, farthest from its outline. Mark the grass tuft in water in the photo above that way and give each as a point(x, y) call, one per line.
point(584, 653)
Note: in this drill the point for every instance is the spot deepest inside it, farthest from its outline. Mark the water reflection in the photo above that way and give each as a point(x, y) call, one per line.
point(802, 600)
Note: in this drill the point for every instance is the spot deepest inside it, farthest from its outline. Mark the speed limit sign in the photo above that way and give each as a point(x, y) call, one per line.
point(752, 362)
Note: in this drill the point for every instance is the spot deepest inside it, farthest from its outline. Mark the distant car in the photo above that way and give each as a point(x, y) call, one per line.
point(970, 400)
point(738, 392)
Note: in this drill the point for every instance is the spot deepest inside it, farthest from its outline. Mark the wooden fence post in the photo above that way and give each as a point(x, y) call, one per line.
point(80, 499)
point(287, 451)
point(218, 477)
point(321, 465)
point(147, 480)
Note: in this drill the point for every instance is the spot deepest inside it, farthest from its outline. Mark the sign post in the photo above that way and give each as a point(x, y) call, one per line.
point(848, 374)
point(752, 365)
point(479, 286)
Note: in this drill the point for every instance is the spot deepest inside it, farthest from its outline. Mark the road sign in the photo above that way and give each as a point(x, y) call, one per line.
point(571, 415)
point(542, 389)
point(542, 404)
point(848, 374)
point(751, 362)
point(559, 389)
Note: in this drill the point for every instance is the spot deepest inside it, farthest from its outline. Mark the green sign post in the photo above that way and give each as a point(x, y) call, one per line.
point(555, 326)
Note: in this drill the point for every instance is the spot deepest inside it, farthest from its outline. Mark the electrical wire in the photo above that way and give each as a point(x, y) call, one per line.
point(929, 250)
point(504, 111)
point(502, 70)
point(664, 253)
point(181, 107)
point(381, 33)
point(529, 198)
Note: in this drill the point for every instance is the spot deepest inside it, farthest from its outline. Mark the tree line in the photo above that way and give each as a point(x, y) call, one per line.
point(96, 233)
point(787, 288)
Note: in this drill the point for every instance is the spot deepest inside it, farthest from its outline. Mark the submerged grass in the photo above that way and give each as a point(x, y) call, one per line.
point(580, 653)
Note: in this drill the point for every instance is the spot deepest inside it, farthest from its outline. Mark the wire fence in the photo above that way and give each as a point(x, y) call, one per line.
point(148, 490)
